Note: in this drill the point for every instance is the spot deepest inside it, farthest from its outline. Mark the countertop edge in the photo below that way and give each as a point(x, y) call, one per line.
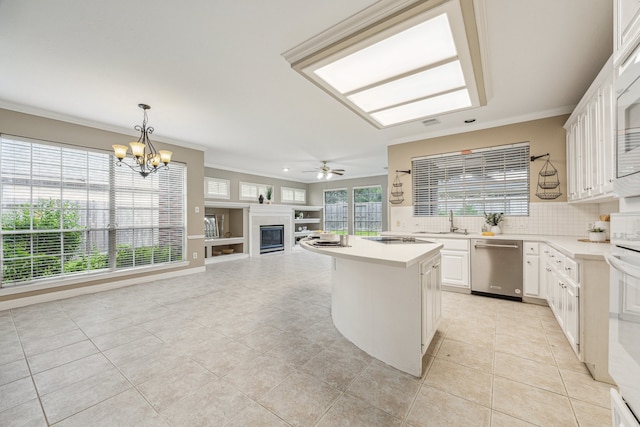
point(561, 243)
point(335, 252)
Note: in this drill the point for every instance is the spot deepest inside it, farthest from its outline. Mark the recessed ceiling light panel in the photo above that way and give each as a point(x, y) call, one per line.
point(408, 65)
point(401, 53)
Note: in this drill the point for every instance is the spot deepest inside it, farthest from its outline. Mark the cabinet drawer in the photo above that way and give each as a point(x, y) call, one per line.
point(531, 248)
point(572, 269)
point(455, 244)
point(559, 261)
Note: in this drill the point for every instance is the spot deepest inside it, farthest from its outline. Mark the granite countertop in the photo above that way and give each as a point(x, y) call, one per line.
point(569, 245)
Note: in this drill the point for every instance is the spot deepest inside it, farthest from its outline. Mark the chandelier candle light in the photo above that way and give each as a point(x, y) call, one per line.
point(146, 159)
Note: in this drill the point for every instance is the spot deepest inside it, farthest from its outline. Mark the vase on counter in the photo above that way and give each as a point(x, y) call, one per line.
point(495, 229)
point(261, 199)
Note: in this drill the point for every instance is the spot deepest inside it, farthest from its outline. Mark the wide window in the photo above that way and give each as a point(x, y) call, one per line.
point(217, 188)
point(336, 211)
point(293, 195)
point(250, 191)
point(367, 210)
point(67, 211)
point(470, 183)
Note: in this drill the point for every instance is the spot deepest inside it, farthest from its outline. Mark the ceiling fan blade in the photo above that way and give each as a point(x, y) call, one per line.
point(337, 172)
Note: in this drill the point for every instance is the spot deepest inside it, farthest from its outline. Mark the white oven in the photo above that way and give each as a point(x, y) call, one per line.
point(627, 182)
point(624, 317)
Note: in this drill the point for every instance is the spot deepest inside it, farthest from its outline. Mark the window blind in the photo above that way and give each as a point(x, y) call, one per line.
point(68, 211)
point(494, 179)
point(217, 188)
point(293, 195)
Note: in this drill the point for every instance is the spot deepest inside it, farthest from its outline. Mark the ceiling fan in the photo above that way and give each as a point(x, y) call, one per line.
point(326, 172)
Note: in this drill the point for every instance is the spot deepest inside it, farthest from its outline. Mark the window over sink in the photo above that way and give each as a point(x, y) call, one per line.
point(471, 182)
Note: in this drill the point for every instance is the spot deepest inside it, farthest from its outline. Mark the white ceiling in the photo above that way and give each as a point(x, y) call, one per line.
point(214, 75)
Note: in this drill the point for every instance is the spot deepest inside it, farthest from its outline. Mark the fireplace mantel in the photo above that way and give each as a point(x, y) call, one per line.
point(269, 215)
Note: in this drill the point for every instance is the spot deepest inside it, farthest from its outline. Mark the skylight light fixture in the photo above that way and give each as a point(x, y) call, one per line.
point(399, 61)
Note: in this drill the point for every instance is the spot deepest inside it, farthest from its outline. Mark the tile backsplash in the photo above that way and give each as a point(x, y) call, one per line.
point(550, 218)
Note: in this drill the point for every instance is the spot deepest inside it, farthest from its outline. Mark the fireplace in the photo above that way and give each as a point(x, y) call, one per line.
point(271, 238)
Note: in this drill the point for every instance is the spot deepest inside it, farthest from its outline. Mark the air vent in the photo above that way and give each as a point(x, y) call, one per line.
point(430, 122)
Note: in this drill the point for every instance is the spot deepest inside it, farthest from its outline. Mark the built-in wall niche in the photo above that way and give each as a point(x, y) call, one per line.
point(229, 221)
point(231, 225)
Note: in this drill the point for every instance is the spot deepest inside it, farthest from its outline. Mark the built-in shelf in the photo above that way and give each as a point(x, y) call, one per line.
point(303, 233)
point(307, 221)
point(224, 241)
point(223, 258)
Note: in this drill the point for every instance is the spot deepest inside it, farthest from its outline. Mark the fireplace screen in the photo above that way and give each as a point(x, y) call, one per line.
point(271, 238)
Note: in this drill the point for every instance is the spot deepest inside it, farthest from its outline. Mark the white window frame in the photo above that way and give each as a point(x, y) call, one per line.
point(448, 182)
point(259, 189)
point(157, 216)
point(299, 195)
point(221, 184)
point(324, 207)
point(353, 204)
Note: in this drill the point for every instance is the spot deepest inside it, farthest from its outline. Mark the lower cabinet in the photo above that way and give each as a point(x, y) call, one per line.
point(531, 283)
point(455, 263)
point(431, 289)
point(563, 294)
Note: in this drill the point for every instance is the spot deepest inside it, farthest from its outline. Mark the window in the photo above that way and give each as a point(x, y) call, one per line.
point(336, 211)
point(470, 183)
point(293, 195)
point(68, 211)
point(217, 188)
point(367, 210)
point(249, 191)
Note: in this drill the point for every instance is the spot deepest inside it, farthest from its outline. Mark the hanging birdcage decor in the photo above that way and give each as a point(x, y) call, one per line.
point(548, 182)
point(397, 195)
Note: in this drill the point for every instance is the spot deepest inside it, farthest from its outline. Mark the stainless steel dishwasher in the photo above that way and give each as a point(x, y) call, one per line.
point(496, 268)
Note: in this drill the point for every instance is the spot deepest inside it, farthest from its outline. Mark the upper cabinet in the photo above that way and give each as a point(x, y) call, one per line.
point(626, 27)
point(591, 142)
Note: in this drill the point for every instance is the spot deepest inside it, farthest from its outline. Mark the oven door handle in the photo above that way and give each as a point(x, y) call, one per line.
point(622, 266)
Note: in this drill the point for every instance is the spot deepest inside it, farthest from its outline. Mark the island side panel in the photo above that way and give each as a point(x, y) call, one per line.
point(378, 308)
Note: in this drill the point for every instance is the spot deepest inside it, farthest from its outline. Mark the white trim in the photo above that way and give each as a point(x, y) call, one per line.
point(53, 296)
point(196, 237)
point(219, 181)
point(74, 280)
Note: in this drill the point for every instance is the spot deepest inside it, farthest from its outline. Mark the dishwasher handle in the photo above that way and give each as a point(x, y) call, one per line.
point(491, 245)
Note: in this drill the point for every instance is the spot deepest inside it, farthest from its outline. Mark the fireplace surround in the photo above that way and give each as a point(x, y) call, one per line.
point(271, 238)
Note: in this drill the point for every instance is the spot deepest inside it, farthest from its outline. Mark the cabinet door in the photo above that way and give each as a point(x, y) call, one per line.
point(427, 289)
point(607, 135)
point(455, 268)
point(572, 162)
point(531, 282)
point(437, 292)
point(626, 22)
point(571, 324)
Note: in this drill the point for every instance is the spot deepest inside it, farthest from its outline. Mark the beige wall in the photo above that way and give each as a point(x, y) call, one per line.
point(544, 136)
point(29, 126)
point(315, 193)
point(236, 177)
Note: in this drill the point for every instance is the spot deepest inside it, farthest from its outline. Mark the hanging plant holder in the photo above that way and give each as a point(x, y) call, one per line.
point(397, 195)
point(548, 181)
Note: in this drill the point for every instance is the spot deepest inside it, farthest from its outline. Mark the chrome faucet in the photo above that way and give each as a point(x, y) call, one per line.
point(452, 229)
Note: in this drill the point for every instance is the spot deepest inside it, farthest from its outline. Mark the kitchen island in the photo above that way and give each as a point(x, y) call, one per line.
point(385, 298)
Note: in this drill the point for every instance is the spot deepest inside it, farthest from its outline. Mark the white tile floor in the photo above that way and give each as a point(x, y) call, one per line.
point(251, 343)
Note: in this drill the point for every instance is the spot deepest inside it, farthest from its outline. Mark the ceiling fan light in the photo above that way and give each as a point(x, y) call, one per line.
point(329, 175)
point(320, 174)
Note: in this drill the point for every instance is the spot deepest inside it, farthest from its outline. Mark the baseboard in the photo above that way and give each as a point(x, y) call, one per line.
point(57, 295)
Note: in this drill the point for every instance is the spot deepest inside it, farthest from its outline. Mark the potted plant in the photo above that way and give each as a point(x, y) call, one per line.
point(597, 234)
point(269, 194)
point(493, 220)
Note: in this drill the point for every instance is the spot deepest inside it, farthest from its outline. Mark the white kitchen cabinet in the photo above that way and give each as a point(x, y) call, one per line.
point(626, 28)
point(531, 271)
point(590, 142)
point(455, 263)
point(431, 289)
point(571, 311)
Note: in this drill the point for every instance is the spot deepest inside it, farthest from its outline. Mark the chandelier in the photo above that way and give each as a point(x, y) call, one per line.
point(146, 159)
